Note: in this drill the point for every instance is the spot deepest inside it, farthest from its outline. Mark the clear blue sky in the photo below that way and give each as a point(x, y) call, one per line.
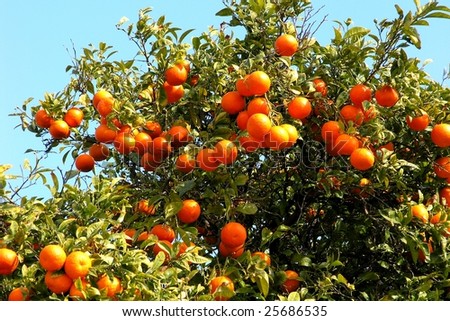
point(35, 37)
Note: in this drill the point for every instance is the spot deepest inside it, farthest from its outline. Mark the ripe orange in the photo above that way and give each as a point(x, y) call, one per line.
point(189, 212)
point(299, 108)
point(242, 88)
point(185, 163)
point(19, 294)
point(124, 143)
point(444, 196)
point(258, 125)
point(438, 218)
point(258, 83)
point(344, 145)
point(418, 123)
point(258, 105)
point(421, 254)
point(185, 63)
point(76, 291)
point(232, 102)
point(101, 95)
point(352, 113)
point(43, 119)
point(163, 232)
point(77, 264)
point(154, 128)
point(74, 117)
point(158, 248)
point(233, 234)
point(59, 129)
point(286, 45)
point(176, 75)
point(386, 96)
point(173, 93)
point(104, 134)
point(277, 138)
point(150, 162)
point(142, 142)
point(110, 287)
point(226, 151)
point(179, 136)
point(320, 86)
point(263, 256)
point(233, 252)
point(52, 257)
point(99, 152)
point(145, 208)
point(160, 146)
point(105, 107)
point(206, 159)
point(362, 159)
point(241, 120)
point(360, 93)
point(421, 212)
point(440, 135)
point(292, 133)
point(57, 282)
point(217, 284)
point(84, 162)
point(441, 167)
point(291, 283)
point(8, 261)
point(330, 131)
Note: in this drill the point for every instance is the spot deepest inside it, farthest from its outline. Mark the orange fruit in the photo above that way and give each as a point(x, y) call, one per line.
point(441, 167)
point(320, 86)
point(150, 162)
point(176, 75)
point(104, 134)
point(421, 212)
point(242, 88)
point(59, 129)
point(145, 208)
point(360, 93)
point(84, 162)
point(352, 113)
point(161, 147)
point(292, 133)
point(258, 83)
point(74, 117)
point(286, 45)
point(263, 256)
point(258, 125)
point(217, 284)
point(233, 252)
point(330, 131)
point(421, 254)
point(241, 120)
point(99, 152)
point(158, 248)
point(418, 123)
point(110, 287)
point(76, 290)
point(57, 282)
point(299, 108)
point(8, 261)
point(77, 264)
point(163, 232)
point(226, 151)
point(189, 212)
point(232, 102)
point(154, 128)
point(362, 159)
point(277, 138)
point(438, 218)
point(101, 95)
point(142, 142)
point(386, 96)
point(440, 135)
point(173, 93)
point(124, 143)
point(185, 63)
point(233, 234)
point(444, 196)
point(179, 136)
point(344, 144)
point(43, 119)
point(206, 159)
point(52, 257)
point(258, 105)
point(291, 283)
point(185, 163)
point(19, 294)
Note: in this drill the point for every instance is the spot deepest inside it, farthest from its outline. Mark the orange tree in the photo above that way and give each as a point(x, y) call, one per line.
point(248, 166)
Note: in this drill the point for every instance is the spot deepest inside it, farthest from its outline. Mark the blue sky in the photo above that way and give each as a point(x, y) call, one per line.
point(36, 36)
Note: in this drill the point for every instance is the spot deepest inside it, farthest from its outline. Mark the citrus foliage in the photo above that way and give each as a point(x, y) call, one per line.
point(195, 155)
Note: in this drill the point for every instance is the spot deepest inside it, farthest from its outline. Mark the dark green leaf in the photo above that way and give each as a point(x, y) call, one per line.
point(247, 208)
point(224, 12)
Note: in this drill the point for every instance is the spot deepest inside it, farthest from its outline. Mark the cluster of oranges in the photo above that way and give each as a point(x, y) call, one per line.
point(59, 128)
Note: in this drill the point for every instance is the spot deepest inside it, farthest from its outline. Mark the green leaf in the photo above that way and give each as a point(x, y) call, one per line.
point(159, 260)
point(441, 15)
point(224, 12)
point(294, 296)
point(185, 187)
point(266, 235)
point(262, 281)
point(247, 208)
point(172, 208)
point(368, 276)
point(356, 32)
point(241, 180)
